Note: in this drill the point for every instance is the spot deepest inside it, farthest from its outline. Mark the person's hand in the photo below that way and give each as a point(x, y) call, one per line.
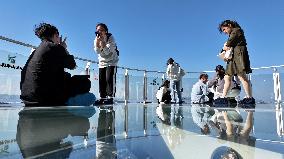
point(226, 59)
point(63, 42)
point(226, 48)
point(100, 42)
point(216, 78)
point(74, 68)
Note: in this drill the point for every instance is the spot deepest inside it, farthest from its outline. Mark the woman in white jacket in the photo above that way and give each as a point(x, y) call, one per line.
point(106, 49)
point(175, 76)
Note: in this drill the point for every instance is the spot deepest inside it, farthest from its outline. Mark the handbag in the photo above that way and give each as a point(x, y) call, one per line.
point(182, 72)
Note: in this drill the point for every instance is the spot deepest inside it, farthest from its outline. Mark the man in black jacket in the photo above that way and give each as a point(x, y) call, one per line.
point(43, 80)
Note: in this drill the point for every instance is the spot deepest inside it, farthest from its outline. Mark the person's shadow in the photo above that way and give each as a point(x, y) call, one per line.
point(40, 132)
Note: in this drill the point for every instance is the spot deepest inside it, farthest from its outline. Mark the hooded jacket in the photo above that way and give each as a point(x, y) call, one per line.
point(173, 72)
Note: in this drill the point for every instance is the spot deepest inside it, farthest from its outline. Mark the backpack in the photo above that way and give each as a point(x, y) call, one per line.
point(117, 51)
point(182, 72)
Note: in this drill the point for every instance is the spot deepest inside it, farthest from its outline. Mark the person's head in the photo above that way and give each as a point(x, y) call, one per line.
point(226, 26)
point(170, 61)
point(203, 77)
point(166, 83)
point(46, 31)
point(101, 29)
point(220, 70)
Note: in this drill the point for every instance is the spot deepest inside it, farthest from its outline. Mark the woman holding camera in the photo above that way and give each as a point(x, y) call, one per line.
point(105, 47)
point(239, 64)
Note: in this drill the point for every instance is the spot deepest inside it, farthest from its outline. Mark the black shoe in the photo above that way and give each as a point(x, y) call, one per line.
point(220, 102)
point(247, 103)
point(232, 102)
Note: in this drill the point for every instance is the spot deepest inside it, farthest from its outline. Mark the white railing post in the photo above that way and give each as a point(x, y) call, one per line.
point(163, 78)
point(145, 87)
point(137, 91)
point(126, 121)
point(277, 92)
point(279, 120)
point(145, 119)
point(126, 88)
point(87, 68)
point(249, 79)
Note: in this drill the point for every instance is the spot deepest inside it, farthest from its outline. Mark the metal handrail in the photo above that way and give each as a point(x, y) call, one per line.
point(123, 67)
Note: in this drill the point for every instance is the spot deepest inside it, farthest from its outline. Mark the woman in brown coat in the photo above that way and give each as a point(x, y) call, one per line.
point(239, 64)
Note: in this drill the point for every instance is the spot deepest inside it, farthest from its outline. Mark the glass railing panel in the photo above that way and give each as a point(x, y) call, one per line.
point(154, 81)
point(187, 82)
point(135, 86)
point(262, 88)
point(120, 86)
point(10, 69)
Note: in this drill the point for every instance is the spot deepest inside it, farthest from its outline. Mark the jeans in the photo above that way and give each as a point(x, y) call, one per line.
point(175, 85)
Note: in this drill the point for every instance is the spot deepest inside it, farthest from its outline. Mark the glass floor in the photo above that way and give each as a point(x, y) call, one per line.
point(142, 131)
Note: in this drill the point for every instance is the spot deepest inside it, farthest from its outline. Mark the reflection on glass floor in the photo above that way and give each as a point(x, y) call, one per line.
point(142, 131)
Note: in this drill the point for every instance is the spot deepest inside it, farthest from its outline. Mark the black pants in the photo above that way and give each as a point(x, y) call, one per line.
point(107, 81)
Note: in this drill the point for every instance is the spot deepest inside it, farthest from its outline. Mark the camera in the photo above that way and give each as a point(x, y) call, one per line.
point(97, 33)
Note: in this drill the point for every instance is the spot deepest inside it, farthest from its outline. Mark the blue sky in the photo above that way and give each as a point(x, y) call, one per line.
point(148, 32)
